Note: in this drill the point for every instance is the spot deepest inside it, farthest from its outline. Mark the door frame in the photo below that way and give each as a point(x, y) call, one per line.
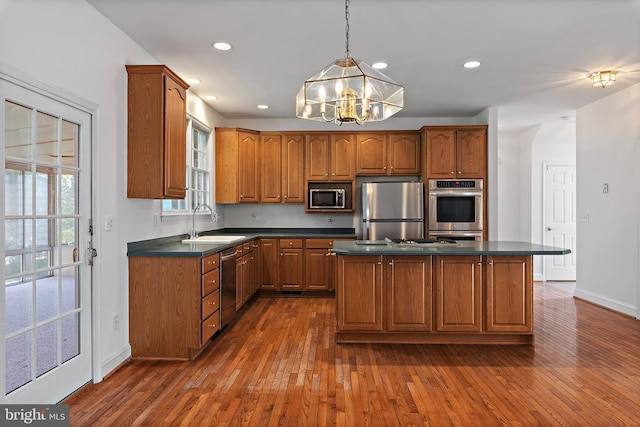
point(545, 165)
point(29, 82)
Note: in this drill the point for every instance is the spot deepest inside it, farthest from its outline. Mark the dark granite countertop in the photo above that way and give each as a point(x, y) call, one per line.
point(368, 247)
point(173, 246)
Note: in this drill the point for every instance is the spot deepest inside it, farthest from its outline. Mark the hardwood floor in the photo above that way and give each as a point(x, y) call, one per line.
point(279, 365)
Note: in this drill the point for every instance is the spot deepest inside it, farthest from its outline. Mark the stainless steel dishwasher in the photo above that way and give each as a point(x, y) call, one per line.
point(228, 289)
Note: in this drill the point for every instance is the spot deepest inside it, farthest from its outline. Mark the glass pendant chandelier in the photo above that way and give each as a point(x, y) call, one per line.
point(349, 91)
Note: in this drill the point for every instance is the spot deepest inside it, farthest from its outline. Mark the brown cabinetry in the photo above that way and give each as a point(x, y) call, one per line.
point(509, 293)
point(456, 152)
point(291, 264)
point(246, 272)
point(237, 166)
point(282, 168)
point(269, 267)
point(359, 293)
point(330, 157)
point(156, 135)
point(388, 154)
point(173, 305)
point(320, 265)
point(408, 299)
point(458, 281)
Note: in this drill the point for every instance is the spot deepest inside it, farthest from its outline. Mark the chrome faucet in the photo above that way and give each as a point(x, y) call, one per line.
point(214, 218)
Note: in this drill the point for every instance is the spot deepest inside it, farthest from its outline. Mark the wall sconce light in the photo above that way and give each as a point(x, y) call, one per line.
point(603, 78)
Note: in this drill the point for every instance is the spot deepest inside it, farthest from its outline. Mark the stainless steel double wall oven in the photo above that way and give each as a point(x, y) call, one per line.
point(456, 208)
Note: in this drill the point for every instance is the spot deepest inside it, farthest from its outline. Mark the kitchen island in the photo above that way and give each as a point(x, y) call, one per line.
point(477, 292)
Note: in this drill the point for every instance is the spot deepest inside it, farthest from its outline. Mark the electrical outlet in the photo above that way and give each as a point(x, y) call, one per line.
point(108, 223)
point(116, 322)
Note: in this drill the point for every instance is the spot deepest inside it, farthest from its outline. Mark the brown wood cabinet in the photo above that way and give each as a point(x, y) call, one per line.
point(509, 293)
point(291, 264)
point(173, 305)
point(330, 157)
point(388, 154)
point(156, 135)
point(456, 152)
point(282, 167)
point(246, 273)
point(359, 293)
point(458, 281)
point(269, 266)
point(237, 166)
point(320, 265)
point(409, 298)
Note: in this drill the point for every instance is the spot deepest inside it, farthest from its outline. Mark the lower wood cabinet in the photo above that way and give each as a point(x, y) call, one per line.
point(246, 272)
point(439, 299)
point(268, 265)
point(291, 264)
point(458, 293)
point(408, 291)
point(173, 305)
point(509, 293)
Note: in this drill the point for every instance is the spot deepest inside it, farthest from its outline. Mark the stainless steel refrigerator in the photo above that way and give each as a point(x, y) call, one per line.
point(392, 209)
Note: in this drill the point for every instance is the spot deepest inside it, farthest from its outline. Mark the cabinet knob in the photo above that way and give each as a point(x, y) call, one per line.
point(459, 172)
point(451, 174)
point(290, 243)
point(286, 197)
point(212, 281)
point(213, 325)
point(384, 168)
point(241, 196)
point(212, 303)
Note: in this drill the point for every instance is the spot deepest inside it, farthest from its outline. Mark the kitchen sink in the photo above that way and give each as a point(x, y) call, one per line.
point(212, 240)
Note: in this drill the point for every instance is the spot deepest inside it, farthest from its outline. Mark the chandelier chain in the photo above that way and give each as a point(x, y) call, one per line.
point(346, 17)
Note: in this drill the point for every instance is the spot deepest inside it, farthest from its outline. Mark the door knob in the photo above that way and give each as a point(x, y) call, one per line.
point(549, 229)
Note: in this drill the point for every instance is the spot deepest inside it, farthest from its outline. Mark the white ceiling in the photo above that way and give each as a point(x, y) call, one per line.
point(536, 54)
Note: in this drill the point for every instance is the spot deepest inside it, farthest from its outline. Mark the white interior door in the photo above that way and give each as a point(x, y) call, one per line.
point(560, 220)
point(47, 203)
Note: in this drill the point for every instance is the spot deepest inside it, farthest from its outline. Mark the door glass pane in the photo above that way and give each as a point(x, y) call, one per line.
point(69, 143)
point(47, 348)
point(45, 191)
point(18, 357)
point(70, 289)
point(19, 305)
point(18, 131)
point(47, 143)
point(14, 234)
point(46, 298)
point(70, 336)
point(69, 205)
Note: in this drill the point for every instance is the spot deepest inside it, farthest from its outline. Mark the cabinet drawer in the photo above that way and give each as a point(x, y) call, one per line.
point(210, 326)
point(210, 282)
point(321, 243)
point(210, 303)
point(291, 243)
point(210, 262)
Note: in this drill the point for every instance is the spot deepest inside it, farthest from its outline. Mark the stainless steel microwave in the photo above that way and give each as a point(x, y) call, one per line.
point(326, 198)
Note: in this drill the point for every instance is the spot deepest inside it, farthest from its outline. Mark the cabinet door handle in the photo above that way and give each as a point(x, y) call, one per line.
point(212, 303)
point(213, 325)
point(459, 172)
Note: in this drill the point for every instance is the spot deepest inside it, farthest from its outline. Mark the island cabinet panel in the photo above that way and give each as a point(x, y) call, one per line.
point(359, 293)
point(509, 293)
point(408, 299)
point(156, 135)
point(458, 293)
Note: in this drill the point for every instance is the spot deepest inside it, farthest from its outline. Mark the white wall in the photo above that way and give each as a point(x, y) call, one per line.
point(608, 134)
point(69, 45)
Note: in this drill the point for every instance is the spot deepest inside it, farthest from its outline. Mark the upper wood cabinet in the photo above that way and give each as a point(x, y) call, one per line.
point(456, 152)
point(388, 154)
point(330, 157)
point(237, 166)
point(282, 168)
point(156, 136)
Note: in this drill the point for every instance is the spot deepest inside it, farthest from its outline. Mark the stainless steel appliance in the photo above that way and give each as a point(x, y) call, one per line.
point(456, 235)
point(393, 210)
point(228, 285)
point(455, 206)
point(326, 198)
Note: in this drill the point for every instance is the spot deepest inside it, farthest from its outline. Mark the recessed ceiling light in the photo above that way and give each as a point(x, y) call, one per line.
point(222, 45)
point(263, 106)
point(211, 97)
point(471, 64)
point(192, 81)
point(379, 65)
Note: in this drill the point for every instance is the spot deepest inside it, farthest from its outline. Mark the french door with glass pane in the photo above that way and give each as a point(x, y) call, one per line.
point(47, 204)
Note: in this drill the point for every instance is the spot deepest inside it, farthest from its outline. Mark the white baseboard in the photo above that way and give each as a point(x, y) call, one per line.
point(114, 361)
point(611, 304)
point(538, 277)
